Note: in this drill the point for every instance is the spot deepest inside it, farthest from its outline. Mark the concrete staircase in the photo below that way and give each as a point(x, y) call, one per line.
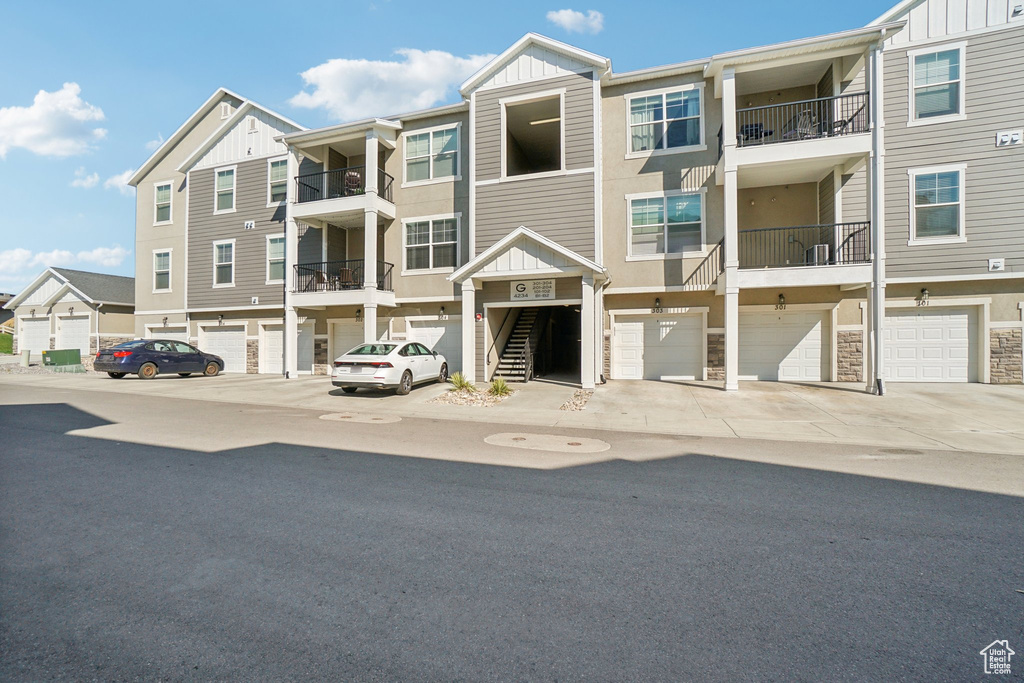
point(512, 365)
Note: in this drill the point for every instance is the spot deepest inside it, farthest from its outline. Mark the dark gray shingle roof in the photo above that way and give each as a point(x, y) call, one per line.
point(115, 289)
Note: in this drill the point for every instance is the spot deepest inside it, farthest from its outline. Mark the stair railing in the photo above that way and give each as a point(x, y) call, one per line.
point(497, 336)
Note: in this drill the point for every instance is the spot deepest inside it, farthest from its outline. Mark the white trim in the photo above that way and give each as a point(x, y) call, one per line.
point(924, 279)
point(702, 311)
point(234, 189)
point(666, 256)
point(598, 172)
point(911, 101)
point(151, 326)
point(170, 269)
point(217, 243)
point(283, 259)
point(237, 116)
point(170, 202)
point(270, 161)
point(589, 58)
point(166, 312)
point(526, 99)
point(431, 180)
point(984, 304)
point(405, 272)
point(522, 231)
point(428, 299)
point(939, 302)
point(224, 309)
point(661, 151)
point(961, 237)
point(184, 270)
point(535, 176)
point(471, 253)
point(203, 324)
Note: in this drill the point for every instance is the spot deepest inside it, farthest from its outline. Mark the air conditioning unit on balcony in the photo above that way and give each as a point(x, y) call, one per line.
point(817, 255)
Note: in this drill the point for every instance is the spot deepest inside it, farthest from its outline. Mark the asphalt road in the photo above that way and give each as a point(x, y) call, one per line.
point(272, 561)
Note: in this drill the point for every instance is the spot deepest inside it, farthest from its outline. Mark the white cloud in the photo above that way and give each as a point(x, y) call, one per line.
point(18, 266)
point(104, 256)
point(119, 182)
point(154, 144)
point(85, 181)
point(356, 88)
point(577, 22)
point(58, 123)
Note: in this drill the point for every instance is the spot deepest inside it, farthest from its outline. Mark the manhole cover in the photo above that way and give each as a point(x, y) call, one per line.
point(519, 438)
point(547, 442)
point(575, 443)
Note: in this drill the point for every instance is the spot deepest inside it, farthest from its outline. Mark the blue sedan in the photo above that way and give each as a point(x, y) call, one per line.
point(147, 358)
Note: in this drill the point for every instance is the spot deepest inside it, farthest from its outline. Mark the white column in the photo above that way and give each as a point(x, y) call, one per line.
point(598, 332)
point(370, 249)
point(371, 163)
point(587, 313)
point(369, 323)
point(291, 255)
point(291, 338)
point(732, 264)
point(877, 194)
point(469, 324)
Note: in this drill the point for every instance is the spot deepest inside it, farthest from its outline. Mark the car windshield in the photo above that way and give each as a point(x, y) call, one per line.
point(372, 350)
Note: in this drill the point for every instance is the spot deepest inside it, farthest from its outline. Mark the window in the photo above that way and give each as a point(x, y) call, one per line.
point(937, 206)
point(667, 120)
point(661, 225)
point(277, 181)
point(432, 244)
point(224, 263)
point(162, 270)
point(937, 92)
point(532, 135)
point(162, 203)
point(183, 348)
point(275, 259)
point(225, 191)
point(432, 155)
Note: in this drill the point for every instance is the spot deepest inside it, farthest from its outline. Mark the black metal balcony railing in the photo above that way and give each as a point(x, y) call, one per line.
point(705, 275)
point(337, 276)
point(824, 117)
point(805, 245)
point(340, 182)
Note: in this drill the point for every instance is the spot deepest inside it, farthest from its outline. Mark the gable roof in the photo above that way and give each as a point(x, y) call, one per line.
point(95, 288)
point(895, 11)
point(570, 257)
point(589, 58)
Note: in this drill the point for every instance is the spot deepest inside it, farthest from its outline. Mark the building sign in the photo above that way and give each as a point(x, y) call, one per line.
point(530, 290)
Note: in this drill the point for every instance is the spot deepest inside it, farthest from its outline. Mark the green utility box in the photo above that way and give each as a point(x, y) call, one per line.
point(62, 357)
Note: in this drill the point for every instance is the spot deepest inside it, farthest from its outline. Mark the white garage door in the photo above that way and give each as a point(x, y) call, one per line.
point(306, 347)
point(782, 346)
point(228, 342)
point(930, 345)
point(658, 347)
point(443, 336)
point(272, 349)
point(73, 333)
point(347, 335)
point(175, 333)
point(35, 335)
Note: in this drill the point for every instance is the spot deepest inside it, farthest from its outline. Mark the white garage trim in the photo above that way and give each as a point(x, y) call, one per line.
point(262, 365)
point(454, 320)
point(984, 323)
point(42, 339)
point(830, 314)
point(62, 342)
point(685, 310)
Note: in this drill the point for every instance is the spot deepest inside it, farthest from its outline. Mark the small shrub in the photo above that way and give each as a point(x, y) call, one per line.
point(460, 383)
point(499, 387)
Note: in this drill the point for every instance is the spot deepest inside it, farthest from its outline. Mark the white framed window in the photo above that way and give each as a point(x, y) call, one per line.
point(937, 204)
point(665, 225)
point(937, 84)
point(224, 190)
point(277, 181)
point(161, 270)
point(224, 263)
point(431, 244)
point(275, 259)
point(432, 154)
point(533, 135)
point(162, 202)
point(665, 121)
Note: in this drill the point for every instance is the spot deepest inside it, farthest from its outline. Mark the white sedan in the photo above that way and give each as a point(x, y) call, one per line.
point(388, 365)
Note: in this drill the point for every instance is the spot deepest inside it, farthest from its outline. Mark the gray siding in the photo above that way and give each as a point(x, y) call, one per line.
point(310, 244)
point(855, 197)
point(824, 87)
point(826, 200)
point(561, 208)
point(579, 122)
point(250, 245)
point(994, 215)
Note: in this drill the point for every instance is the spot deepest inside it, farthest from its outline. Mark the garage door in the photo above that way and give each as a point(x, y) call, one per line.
point(782, 346)
point(931, 345)
point(658, 347)
point(443, 336)
point(175, 333)
point(35, 335)
point(272, 349)
point(228, 342)
point(349, 334)
point(73, 333)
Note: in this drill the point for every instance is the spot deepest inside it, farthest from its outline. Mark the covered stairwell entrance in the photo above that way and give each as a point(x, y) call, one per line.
point(542, 342)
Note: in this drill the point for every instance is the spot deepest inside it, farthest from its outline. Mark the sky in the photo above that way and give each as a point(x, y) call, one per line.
point(89, 90)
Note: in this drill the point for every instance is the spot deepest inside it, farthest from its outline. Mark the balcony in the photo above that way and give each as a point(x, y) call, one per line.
point(340, 283)
point(340, 194)
point(805, 255)
point(824, 117)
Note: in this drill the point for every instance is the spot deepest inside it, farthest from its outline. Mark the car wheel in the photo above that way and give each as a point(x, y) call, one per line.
point(117, 375)
point(443, 376)
point(184, 374)
point(212, 369)
point(405, 386)
point(147, 371)
point(349, 390)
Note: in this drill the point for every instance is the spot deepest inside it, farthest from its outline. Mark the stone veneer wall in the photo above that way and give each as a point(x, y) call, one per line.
point(321, 366)
point(105, 343)
point(716, 356)
point(1006, 364)
point(252, 356)
point(850, 356)
point(606, 366)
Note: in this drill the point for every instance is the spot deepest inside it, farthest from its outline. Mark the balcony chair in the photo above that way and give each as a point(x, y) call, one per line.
point(753, 132)
point(346, 280)
point(353, 183)
point(800, 127)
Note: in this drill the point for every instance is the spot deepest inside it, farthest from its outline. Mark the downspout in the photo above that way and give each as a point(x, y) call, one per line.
point(878, 215)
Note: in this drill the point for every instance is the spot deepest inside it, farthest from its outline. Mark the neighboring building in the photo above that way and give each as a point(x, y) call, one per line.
point(6, 316)
point(73, 309)
point(719, 219)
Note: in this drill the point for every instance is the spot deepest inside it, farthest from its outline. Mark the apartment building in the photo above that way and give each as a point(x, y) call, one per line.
point(838, 208)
